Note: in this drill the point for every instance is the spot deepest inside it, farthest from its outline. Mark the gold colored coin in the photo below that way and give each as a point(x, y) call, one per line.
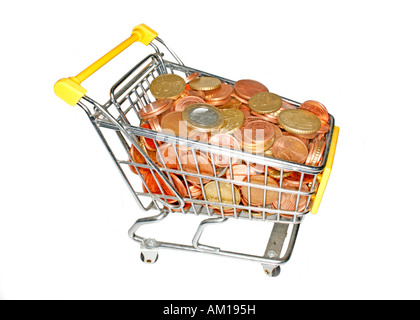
point(265, 102)
point(234, 119)
point(226, 194)
point(167, 86)
point(203, 117)
point(258, 148)
point(276, 174)
point(256, 195)
point(269, 153)
point(299, 121)
point(205, 83)
point(232, 104)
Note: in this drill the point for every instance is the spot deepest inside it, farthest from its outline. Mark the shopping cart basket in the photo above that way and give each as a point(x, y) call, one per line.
point(119, 118)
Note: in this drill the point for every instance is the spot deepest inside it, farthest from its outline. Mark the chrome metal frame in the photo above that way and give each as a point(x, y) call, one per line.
point(119, 115)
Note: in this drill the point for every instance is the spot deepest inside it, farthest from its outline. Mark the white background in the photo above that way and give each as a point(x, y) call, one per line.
point(65, 211)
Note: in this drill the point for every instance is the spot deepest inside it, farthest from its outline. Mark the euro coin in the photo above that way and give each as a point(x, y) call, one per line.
point(265, 102)
point(233, 120)
point(203, 117)
point(205, 83)
point(167, 86)
point(224, 190)
point(299, 121)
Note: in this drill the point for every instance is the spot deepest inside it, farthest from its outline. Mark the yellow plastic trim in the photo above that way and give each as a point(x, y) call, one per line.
point(70, 89)
point(326, 173)
point(145, 34)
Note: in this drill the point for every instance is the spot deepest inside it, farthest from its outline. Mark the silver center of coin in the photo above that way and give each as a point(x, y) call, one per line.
point(203, 116)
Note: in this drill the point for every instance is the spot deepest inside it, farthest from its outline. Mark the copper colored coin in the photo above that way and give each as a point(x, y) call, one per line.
point(253, 204)
point(196, 93)
point(245, 202)
point(217, 103)
point(168, 156)
point(316, 108)
point(195, 191)
point(186, 93)
point(152, 155)
point(241, 99)
point(154, 124)
point(173, 123)
point(311, 150)
point(232, 104)
point(135, 154)
point(251, 119)
point(307, 136)
point(179, 185)
point(277, 132)
point(192, 77)
point(304, 140)
point(259, 168)
point(281, 155)
point(258, 132)
point(325, 127)
point(154, 108)
point(286, 106)
point(226, 141)
point(267, 117)
point(196, 135)
point(245, 110)
point(186, 101)
point(257, 194)
point(247, 88)
point(147, 142)
point(154, 183)
point(150, 182)
point(293, 180)
point(138, 158)
point(239, 133)
point(288, 200)
point(293, 147)
point(240, 172)
point(189, 164)
point(221, 93)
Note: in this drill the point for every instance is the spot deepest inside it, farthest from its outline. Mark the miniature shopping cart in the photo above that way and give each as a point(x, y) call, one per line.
point(117, 123)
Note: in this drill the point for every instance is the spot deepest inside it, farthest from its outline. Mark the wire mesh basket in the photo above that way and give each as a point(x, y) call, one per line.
point(177, 173)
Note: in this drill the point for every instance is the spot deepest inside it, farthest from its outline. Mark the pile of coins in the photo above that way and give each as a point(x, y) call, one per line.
point(244, 116)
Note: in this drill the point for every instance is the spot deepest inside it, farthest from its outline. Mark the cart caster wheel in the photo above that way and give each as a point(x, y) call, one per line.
point(149, 257)
point(272, 272)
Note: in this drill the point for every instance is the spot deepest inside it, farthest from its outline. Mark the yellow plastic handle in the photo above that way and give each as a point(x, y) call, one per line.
point(70, 89)
point(327, 171)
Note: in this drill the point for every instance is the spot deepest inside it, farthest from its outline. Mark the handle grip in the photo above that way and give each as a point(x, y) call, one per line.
point(327, 171)
point(70, 89)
